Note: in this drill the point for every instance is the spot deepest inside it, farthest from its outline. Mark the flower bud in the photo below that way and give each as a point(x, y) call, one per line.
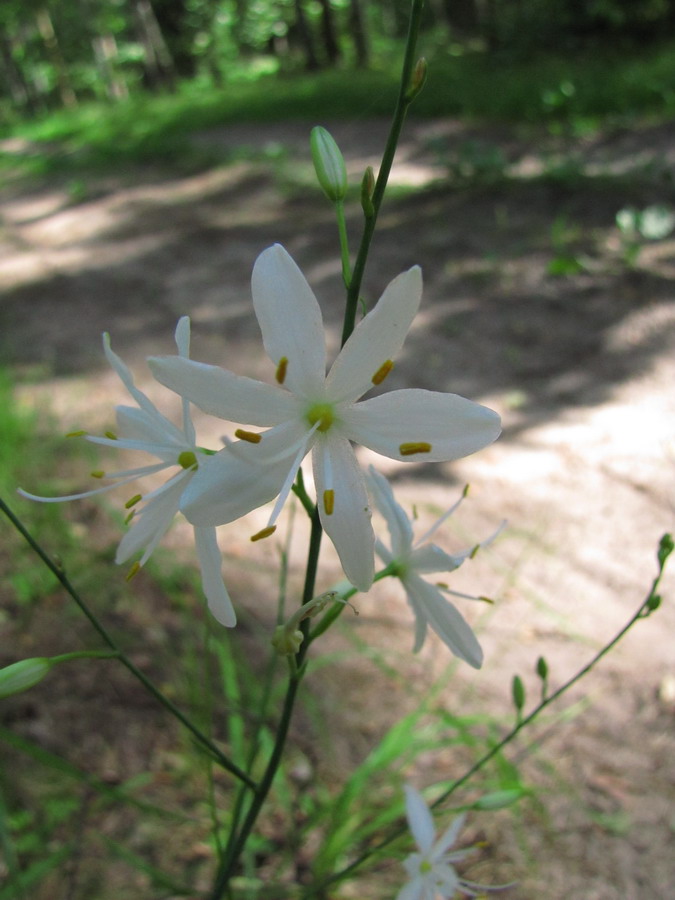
point(286, 642)
point(20, 676)
point(542, 668)
point(367, 190)
point(417, 80)
point(518, 692)
point(329, 164)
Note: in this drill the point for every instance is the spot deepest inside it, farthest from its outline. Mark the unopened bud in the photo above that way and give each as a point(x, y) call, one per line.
point(367, 190)
point(23, 675)
point(419, 76)
point(665, 549)
point(518, 692)
point(542, 668)
point(329, 164)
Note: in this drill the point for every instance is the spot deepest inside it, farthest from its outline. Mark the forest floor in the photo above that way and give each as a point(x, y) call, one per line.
point(531, 306)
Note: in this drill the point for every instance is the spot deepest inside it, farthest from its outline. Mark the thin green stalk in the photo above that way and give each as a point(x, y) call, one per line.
point(60, 574)
point(646, 607)
point(344, 242)
point(403, 102)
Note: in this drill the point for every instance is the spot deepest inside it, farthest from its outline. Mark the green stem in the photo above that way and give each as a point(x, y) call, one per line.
point(402, 104)
point(644, 610)
point(344, 242)
point(60, 574)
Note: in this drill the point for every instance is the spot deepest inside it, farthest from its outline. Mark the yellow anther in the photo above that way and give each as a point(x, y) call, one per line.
point(187, 460)
point(465, 492)
point(382, 372)
point(76, 433)
point(266, 532)
point(487, 600)
point(133, 571)
point(474, 551)
point(249, 436)
point(111, 435)
point(282, 368)
point(321, 413)
point(133, 501)
point(97, 473)
point(414, 447)
point(443, 584)
point(329, 502)
point(130, 517)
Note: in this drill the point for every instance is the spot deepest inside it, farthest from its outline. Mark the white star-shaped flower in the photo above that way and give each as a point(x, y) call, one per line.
point(309, 410)
point(431, 870)
point(144, 428)
point(409, 558)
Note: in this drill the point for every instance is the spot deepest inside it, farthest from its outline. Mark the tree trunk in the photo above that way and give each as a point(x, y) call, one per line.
point(357, 30)
point(105, 55)
point(48, 35)
point(305, 35)
point(19, 89)
point(159, 68)
point(328, 33)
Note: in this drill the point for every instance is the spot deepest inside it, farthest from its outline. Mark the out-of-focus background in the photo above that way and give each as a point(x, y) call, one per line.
point(149, 151)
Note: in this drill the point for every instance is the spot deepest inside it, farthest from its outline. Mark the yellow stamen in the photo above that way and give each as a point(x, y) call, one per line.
point(133, 501)
point(98, 473)
point(382, 372)
point(465, 492)
point(111, 435)
point(133, 571)
point(474, 551)
point(266, 532)
point(414, 447)
point(187, 460)
point(130, 517)
point(281, 370)
point(249, 436)
point(76, 433)
point(329, 502)
point(487, 600)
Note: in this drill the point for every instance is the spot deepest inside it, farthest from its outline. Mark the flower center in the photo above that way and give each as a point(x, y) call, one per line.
point(321, 413)
point(187, 459)
point(425, 867)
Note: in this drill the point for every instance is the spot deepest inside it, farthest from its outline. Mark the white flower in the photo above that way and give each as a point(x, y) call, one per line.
point(409, 559)
point(431, 870)
point(144, 428)
point(309, 410)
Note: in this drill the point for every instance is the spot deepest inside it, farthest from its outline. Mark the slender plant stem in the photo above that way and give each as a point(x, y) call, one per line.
point(403, 102)
point(642, 612)
point(60, 574)
point(344, 242)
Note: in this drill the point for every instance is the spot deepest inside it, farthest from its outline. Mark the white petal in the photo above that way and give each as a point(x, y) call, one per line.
point(224, 394)
point(126, 377)
point(431, 558)
point(449, 837)
point(153, 521)
point(213, 586)
point(348, 526)
point(446, 880)
point(230, 484)
point(452, 425)
point(413, 890)
point(419, 818)
point(398, 523)
point(383, 552)
point(183, 346)
point(445, 619)
point(140, 425)
point(290, 321)
point(376, 339)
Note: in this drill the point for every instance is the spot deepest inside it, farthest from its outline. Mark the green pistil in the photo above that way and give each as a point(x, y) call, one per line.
point(187, 460)
point(321, 413)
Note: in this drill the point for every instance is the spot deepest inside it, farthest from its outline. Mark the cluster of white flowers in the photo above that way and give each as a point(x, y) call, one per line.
point(305, 411)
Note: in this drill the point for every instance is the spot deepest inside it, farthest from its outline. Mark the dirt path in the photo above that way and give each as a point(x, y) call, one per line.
point(580, 366)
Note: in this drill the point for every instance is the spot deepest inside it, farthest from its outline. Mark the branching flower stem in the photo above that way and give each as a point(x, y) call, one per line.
point(648, 605)
point(353, 284)
point(204, 742)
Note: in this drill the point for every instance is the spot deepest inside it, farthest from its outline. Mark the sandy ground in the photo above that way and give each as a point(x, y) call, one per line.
point(581, 368)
